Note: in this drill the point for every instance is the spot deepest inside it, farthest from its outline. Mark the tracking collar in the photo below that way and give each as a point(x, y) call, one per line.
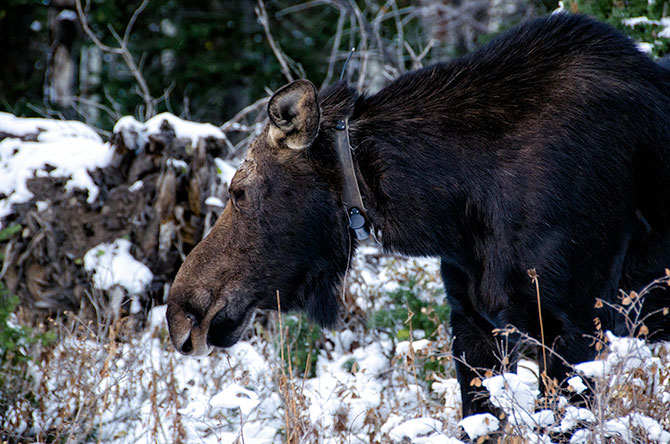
point(351, 195)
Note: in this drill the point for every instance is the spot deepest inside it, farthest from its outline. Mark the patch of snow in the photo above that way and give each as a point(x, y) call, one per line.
point(577, 383)
point(42, 205)
point(654, 430)
point(581, 436)
point(214, 202)
point(636, 21)
point(225, 170)
point(136, 186)
point(544, 418)
point(574, 416)
point(135, 306)
point(415, 428)
point(450, 390)
point(645, 47)
point(112, 264)
point(177, 164)
point(479, 425)
point(529, 373)
point(403, 347)
point(235, 397)
point(68, 149)
point(135, 134)
point(156, 317)
point(592, 369)
point(513, 396)
point(45, 129)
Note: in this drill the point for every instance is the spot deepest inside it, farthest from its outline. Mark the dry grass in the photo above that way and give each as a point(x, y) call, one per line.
point(123, 383)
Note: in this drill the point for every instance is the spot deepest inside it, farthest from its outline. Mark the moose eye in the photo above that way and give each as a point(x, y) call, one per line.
point(236, 196)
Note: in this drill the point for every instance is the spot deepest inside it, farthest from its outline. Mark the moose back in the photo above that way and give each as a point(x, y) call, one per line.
point(547, 149)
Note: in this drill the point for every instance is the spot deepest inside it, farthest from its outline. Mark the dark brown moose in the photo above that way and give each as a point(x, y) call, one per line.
point(547, 149)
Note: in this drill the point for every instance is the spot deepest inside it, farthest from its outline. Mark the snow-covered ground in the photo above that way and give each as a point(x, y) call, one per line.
point(368, 383)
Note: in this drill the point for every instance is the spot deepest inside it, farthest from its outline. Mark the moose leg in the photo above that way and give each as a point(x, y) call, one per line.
point(473, 349)
point(474, 346)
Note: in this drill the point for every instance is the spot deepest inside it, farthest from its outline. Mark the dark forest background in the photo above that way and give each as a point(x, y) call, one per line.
point(205, 59)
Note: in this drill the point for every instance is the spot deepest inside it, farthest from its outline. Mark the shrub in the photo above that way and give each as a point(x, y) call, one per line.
point(302, 340)
point(20, 346)
point(412, 306)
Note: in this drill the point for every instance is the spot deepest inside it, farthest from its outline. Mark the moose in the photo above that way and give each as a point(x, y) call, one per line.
point(548, 149)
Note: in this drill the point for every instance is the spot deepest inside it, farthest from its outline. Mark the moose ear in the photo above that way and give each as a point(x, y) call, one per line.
point(294, 114)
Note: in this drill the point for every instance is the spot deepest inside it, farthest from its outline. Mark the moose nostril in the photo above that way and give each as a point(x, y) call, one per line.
point(192, 318)
point(187, 346)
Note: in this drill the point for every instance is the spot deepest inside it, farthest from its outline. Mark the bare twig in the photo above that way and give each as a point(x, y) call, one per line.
point(89, 32)
point(232, 124)
point(263, 19)
point(417, 60)
point(536, 280)
point(336, 46)
point(400, 47)
point(302, 7)
point(123, 51)
point(363, 45)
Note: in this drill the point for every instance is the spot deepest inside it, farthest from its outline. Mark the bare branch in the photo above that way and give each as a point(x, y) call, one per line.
point(262, 15)
point(302, 7)
point(232, 124)
point(417, 60)
point(133, 19)
point(135, 70)
point(89, 32)
point(401, 36)
point(336, 46)
point(124, 52)
point(364, 42)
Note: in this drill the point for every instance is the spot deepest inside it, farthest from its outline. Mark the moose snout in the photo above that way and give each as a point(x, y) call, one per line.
point(187, 331)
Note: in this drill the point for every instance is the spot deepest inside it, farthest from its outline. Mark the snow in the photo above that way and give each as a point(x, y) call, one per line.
point(58, 149)
point(664, 32)
point(645, 47)
point(663, 23)
point(177, 164)
point(479, 425)
point(574, 416)
point(577, 384)
point(235, 397)
point(225, 170)
point(136, 186)
point(636, 21)
point(403, 348)
point(592, 369)
point(513, 396)
point(214, 202)
point(112, 264)
point(45, 129)
point(415, 428)
point(135, 134)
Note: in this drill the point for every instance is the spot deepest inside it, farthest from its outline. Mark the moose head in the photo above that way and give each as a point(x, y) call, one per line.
point(283, 233)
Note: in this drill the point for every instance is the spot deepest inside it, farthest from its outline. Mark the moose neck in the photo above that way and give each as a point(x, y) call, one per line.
point(412, 182)
point(395, 140)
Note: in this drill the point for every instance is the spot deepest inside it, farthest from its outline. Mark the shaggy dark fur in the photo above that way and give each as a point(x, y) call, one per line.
point(547, 149)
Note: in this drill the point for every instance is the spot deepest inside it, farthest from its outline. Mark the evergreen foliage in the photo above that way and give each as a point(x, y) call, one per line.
point(647, 27)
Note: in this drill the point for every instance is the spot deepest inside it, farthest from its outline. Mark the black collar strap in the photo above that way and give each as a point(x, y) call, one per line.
point(351, 195)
